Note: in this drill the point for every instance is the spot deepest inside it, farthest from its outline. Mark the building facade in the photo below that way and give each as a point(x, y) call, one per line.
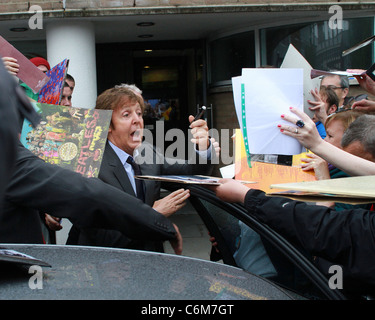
point(183, 54)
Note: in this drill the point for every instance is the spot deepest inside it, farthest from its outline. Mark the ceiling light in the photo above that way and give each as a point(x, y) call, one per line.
point(145, 24)
point(145, 36)
point(148, 50)
point(18, 29)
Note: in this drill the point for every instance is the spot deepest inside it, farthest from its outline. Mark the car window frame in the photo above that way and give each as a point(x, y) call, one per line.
point(240, 213)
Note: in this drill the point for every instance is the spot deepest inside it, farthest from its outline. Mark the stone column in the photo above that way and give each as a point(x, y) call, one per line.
point(75, 40)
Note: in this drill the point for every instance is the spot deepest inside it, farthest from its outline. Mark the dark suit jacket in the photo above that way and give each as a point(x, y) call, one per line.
point(345, 238)
point(113, 173)
point(13, 103)
point(88, 203)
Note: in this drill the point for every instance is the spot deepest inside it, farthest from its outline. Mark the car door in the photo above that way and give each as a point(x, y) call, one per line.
point(245, 242)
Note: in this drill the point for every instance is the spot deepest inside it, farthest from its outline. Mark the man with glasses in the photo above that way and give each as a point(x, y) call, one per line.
point(335, 85)
point(340, 84)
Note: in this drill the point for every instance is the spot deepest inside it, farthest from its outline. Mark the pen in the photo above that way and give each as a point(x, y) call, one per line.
point(200, 115)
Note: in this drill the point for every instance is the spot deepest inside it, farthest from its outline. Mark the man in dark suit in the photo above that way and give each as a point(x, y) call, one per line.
point(29, 185)
point(125, 141)
point(87, 202)
point(13, 104)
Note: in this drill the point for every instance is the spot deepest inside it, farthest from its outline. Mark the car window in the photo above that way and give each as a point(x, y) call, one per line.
point(252, 247)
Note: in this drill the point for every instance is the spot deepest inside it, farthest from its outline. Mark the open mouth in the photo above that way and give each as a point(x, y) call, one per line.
point(136, 135)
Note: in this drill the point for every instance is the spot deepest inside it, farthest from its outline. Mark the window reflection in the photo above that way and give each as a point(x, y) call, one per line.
point(230, 54)
point(320, 45)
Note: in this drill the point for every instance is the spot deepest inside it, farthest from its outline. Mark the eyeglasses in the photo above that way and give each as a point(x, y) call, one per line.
point(331, 87)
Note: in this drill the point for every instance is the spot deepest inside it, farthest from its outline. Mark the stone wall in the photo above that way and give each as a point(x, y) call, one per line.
point(14, 6)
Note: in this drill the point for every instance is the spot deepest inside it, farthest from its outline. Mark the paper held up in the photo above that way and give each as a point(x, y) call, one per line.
point(261, 96)
point(317, 73)
point(294, 59)
point(28, 73)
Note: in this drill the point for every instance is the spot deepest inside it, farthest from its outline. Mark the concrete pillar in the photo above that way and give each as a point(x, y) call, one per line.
point(75, 40)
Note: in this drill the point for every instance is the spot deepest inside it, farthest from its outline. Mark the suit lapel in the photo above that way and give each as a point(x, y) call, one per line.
point(114, 171)
point(150, 186)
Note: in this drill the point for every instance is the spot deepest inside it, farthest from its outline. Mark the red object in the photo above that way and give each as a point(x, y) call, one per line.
point(38, 61)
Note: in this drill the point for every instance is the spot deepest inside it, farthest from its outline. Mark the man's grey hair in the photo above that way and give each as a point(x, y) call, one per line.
point(363, 130)
point(132, 87)
point(344, 80)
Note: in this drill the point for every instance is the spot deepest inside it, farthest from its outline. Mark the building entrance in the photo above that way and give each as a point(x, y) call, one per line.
point(169, 75)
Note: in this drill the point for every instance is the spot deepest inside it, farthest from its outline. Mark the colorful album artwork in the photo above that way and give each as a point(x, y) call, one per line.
point(73, 138)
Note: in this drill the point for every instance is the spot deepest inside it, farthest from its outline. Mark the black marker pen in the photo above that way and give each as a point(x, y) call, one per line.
point(200, 115)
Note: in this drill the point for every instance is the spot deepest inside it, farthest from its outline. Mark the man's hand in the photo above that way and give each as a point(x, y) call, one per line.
point(177, 242)
point(53, 223)
point(364, 80)
point(199, 130)
point(172, 202)
point(216, 147)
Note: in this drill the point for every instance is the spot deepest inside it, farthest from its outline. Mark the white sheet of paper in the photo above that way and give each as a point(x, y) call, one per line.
point(228, 171)
point(294, 59)
point(268, 94)
point(236, 88)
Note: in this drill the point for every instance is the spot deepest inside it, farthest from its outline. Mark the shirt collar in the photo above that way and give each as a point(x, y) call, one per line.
point(123, 156)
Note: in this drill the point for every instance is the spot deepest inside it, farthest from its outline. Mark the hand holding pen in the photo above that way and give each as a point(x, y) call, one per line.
point(199, 130)
point(200, 114)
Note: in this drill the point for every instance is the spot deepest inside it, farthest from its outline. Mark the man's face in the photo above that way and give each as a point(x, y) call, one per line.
point(66, 99)
point(126, 129)
point(357, 149)
point(335, 83)
point(335, 131)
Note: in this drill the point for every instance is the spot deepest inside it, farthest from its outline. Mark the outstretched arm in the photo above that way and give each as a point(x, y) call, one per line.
point(345, 237)
point(309, 137)
point(88, 203)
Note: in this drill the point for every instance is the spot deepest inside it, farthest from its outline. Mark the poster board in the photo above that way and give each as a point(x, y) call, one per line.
point(51, 93)
point(294, 59)
point(266, 174)
point(28, 72)
point(354, 187)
